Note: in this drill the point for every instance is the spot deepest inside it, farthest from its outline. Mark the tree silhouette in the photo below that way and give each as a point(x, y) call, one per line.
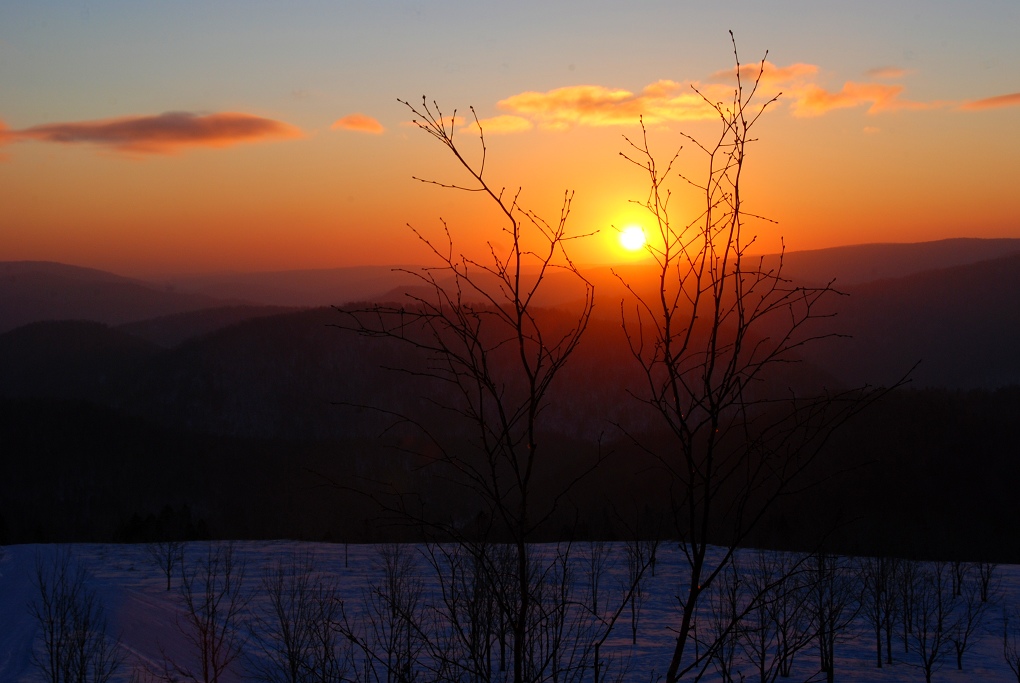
point(716, 340)
point(491, 354)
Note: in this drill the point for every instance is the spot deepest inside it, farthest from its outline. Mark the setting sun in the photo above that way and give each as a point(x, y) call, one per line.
point(632, 238)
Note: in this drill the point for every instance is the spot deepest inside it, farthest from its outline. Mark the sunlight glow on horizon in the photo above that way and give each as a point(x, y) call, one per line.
point(272, 138)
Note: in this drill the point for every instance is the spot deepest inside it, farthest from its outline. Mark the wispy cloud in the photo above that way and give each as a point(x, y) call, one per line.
point(878, 97)
point(596, 105)
point(664, 101)
point(359, 123)
point(772, 77)
point(1009, 100)
point(161, 134)
point(667, 101)
point(5, 137)
point(888, 72)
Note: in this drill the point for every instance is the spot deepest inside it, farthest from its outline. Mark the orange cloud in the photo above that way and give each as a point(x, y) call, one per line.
point(772, 76)
point(5, 137)
point(162, 134)
point(888, 72)
point(667, 101)
point(660, 102)
point(595, 105)
point(359, 123)
point(814, 100)
point(1010, 100)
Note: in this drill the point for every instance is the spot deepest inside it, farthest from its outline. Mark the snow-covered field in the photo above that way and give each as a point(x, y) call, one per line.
point(144, 615)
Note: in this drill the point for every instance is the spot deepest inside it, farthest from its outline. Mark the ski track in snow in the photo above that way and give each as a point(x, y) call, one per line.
point(143, 613)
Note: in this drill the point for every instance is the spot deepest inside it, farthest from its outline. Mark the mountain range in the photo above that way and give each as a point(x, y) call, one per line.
point(945, 307)
point(237, 375)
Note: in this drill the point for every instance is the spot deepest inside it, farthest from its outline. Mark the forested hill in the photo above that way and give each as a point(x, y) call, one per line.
point(259, 420)
point(33, 291)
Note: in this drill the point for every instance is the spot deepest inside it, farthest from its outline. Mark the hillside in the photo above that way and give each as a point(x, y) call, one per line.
point(297, 288)
point(34, 291)
point(860, 263)
point(236, 411)
point(170, 330)
point(70, 359)
point(960, 326)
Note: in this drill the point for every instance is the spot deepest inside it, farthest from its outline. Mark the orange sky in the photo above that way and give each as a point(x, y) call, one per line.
point(269, 140)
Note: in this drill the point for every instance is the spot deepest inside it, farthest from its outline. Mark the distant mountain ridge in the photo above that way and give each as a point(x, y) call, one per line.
point(35, 291)
point(860, 263)
point(32, 291)
point(954, 313)
point(299, 288)
point(170, 330)
point(959, 325)
point(258, 372)
point(239, 411)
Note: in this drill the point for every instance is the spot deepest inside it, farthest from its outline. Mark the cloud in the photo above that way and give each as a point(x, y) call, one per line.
point(772, 77)
point(888, 72)
point(501, 125)
point(815, 101)
point(667, 101)
point(359, 123)
point(663, 101)
point(5, 137)
point(1009, 100)
point(595, 105)
point(162, 134)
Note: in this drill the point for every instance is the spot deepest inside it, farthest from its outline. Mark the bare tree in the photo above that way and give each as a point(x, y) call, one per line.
point(392, 634)
point(639, 557)
point(789, 607)
point(567, 626)
point(968, 619)
point(596, 561)
point(213, 605)
point(74, 640)
point(712, 342)
point(1011, 638)
point(880, 599)
point(987, 580)
point(297, 629)
point(332, 658)
point(932, 616)
point(958, 573)
point(493, 354)
point(907, 578)
point(477, 630)
point(396, 606)
point(720, 629)
point(167, 555)
point(776, 624)
point(835, 606)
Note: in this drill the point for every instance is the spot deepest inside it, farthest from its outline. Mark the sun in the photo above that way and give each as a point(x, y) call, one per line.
point(632, 238)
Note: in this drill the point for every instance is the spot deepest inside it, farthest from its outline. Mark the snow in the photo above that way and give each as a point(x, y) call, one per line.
point(144, 614)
